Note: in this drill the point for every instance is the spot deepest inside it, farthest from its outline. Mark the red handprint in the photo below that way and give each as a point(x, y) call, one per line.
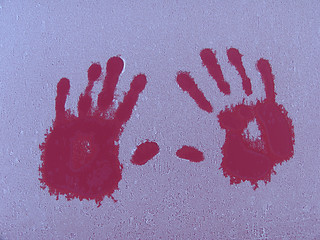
point(80, 154)
point(246, 159)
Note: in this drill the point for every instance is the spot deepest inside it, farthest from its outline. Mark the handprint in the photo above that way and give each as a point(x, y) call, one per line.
point(245, 158)
point(80, 153)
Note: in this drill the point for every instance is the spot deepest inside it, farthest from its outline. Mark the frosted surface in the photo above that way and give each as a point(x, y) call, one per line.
point(167, 198)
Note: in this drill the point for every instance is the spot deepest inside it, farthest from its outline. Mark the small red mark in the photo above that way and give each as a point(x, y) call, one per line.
point(234, 57)
point(190, 153)
point(186, 83)
point(145, 152)
point(80, 154)
point(245, 158)
point(210, 61)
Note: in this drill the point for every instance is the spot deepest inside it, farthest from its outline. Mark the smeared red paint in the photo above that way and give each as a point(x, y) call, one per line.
point(186, 83)
point(80, 154)
point(145, 152)
point(190, 153)
point(234, 57)
point(209, 60)
point(253, 160)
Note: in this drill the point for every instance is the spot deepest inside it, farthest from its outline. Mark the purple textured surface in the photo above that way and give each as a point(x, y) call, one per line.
point(168, 198)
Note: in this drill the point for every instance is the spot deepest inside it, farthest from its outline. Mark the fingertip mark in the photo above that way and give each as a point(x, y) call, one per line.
point(265, 70)
point(94, 72)
point(63, 87)
point(190, 153)
point(138, 83)
point(234, 57)
point(145, 152)
point(130, 99)
point(114, 68)
point(115, 65)
point(209, 60)
point(187, 83)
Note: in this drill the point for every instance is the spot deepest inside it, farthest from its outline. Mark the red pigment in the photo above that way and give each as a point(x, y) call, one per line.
point(186, 83)
point(145, 152)
point(209, 60)
point(190, 153)
point(246, 159)
point(253, 160)
point(234, 57)
point(80, 154)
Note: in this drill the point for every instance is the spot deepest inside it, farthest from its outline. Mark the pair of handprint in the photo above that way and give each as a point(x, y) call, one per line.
point(80, 154)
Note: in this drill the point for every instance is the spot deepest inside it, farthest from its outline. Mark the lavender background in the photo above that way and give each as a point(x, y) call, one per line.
point(168, 198)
